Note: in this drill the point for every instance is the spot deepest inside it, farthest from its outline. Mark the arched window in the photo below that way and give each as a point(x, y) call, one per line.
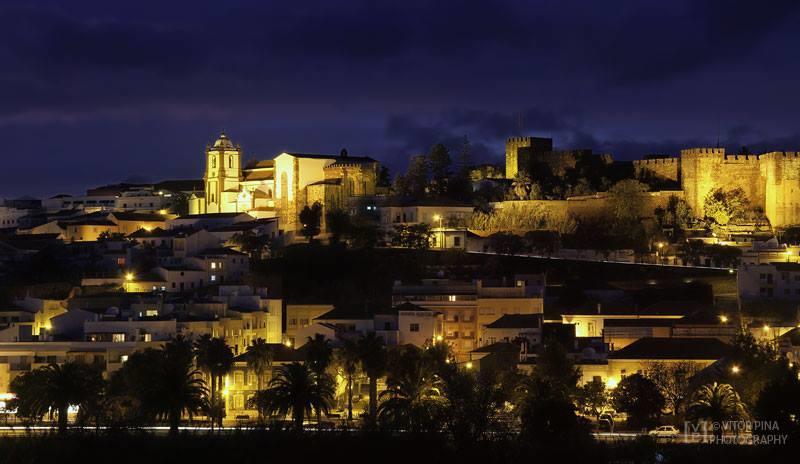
point(230, 161)
point(213, 162)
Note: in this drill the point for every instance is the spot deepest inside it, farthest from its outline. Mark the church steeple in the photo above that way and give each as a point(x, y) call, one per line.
point(223, 175)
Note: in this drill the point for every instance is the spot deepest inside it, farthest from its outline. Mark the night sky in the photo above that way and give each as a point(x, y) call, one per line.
point(95, 92)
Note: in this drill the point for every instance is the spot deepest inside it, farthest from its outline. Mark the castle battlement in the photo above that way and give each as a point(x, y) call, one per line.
point(741, 158)
point(703, 152)
point(781, 154)
point(654, 161)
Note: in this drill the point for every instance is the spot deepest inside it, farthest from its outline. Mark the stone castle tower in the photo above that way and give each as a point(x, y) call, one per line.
point(522, 151)
point(223, 176)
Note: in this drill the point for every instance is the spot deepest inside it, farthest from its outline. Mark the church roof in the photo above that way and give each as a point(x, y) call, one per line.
point(327, 182)
point(335, 158)
point(224, 142)
point(258, 174)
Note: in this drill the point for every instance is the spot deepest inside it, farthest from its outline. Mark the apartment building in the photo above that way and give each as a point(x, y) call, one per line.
point(467, 307)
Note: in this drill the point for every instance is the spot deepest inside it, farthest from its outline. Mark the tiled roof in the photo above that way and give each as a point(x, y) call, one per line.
point(673, 348)
point(162, 233)
point(517, 321)
point(647, 322)
point(221, 251)
point(499, 347)
point(336, 158)
point(349, 312)
point(211, 216)
point(147, 217)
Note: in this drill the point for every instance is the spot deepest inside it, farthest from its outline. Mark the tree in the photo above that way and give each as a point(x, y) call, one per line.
point(723, 206)
point(372, 353)
point(414, 183)
point(416, 236)
point(310, 218)
point(413, 396)
point(294, 389)
point(474, 403)
point(163, 383)
point(215, 357)
point(779, 401)
point(628, 201)
point(348, 358)
point(672, 380)
point(320, 355)
point(676, 215)
point(55, 388)
point(592, 398)
point(254, 245)
point(259, 358)
point(521, 186)
point(724, 255)
point(440, 167)
point(506, 243)
point(639, 397)
point(384, 178)
point(339, 224)
point(716, 403)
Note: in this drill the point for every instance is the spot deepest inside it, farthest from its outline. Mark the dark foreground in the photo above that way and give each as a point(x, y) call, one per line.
point(266, 447)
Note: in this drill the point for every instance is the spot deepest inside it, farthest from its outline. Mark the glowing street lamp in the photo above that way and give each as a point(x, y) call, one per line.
point(129, 276)
point(735, 369)
point(468, 365)
point(723, 318)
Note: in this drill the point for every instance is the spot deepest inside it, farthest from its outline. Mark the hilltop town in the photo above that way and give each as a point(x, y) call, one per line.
point(631, 287)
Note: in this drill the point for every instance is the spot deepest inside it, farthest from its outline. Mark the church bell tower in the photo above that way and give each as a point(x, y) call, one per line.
point(223, 175)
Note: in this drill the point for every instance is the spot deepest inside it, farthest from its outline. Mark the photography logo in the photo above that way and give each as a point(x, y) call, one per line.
point(741, 432)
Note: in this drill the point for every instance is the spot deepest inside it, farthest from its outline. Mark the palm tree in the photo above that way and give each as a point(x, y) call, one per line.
point(164, 382)
point(348, 358)
point(215, 357)
point(413, 398)
point(259, 358)
point(55, 388)
point(372, 353)
point(716, 403)
point(320, 355)
point(295, 389)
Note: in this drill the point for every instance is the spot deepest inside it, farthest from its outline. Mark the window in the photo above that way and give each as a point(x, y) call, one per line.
point(451, 298)
point(387, 326)
point(213, 278)
point(456, 242)
point(238, 378)
point(414, 327)
point(118, 338)
point(230, 161)
point(213, 265)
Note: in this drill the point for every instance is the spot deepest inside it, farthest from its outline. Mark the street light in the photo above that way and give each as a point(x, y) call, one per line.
point(468, 365)
point(723, 318)
point(735, 369)
point(129, 276)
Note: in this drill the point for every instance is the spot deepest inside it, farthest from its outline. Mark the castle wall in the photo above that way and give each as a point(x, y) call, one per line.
point(658, 168)
point(782, 195)
point(705, 169)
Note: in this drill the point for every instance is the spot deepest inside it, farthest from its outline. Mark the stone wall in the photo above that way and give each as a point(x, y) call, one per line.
point(658, 168)
point(782, 194)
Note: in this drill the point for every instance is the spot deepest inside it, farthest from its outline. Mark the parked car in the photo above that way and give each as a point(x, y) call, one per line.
point(665, 431)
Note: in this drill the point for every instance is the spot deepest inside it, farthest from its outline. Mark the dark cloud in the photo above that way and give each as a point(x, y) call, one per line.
point(151, 82)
